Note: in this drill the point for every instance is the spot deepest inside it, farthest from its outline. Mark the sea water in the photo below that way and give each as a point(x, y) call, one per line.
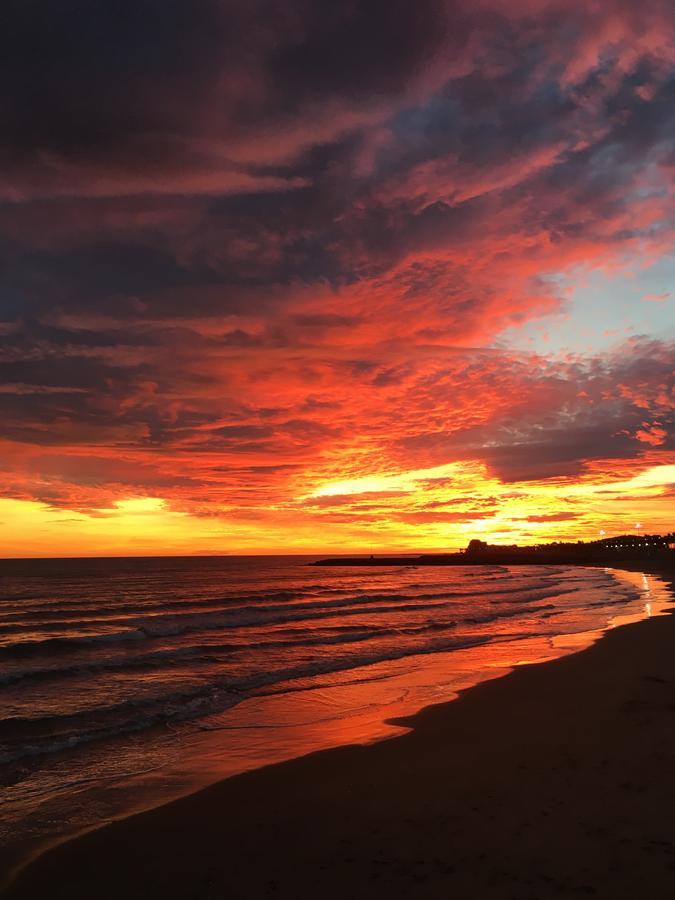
point(126, 682)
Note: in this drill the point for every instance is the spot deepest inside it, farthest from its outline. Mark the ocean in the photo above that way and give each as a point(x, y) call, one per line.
point(127, 682)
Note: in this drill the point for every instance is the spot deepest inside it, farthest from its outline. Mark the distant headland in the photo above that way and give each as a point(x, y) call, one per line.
point(608, 551)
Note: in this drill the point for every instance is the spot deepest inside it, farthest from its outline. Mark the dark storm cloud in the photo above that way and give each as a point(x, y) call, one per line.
point(78, 69)
point(113, 98)
point(387, 40)
point(89, 84)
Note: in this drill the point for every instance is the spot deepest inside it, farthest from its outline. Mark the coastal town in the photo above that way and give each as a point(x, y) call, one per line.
point(605, 551)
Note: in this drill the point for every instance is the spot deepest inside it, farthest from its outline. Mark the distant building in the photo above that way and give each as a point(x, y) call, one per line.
point(611, 549)
point(476, 546)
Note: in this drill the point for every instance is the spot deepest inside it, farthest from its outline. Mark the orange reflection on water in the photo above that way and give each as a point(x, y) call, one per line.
point(353, 707)
point(356, 707)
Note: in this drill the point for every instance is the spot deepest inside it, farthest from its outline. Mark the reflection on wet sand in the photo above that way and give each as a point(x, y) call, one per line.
point(265, 730)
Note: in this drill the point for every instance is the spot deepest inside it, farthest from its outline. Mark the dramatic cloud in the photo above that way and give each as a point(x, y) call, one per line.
point(249, 251)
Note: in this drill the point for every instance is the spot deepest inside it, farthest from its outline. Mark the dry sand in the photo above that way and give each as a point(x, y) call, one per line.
point(557, 780)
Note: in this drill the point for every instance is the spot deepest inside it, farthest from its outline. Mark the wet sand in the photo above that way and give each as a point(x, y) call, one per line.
point(557, 780)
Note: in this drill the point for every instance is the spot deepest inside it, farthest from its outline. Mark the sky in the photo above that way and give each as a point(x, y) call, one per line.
point(289, 276)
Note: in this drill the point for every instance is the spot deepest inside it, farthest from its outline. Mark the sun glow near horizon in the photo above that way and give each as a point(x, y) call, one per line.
point(441, 507)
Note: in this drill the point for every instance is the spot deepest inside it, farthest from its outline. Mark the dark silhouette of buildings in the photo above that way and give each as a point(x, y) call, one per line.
point(607, 551)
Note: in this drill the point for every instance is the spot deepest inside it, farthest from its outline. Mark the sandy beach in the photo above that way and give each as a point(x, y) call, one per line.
point(554, 781)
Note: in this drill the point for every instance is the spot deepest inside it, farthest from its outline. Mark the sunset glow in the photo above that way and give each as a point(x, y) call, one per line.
point(377, 280)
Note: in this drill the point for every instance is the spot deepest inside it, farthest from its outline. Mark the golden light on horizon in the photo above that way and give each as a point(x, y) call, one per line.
point(440, 507)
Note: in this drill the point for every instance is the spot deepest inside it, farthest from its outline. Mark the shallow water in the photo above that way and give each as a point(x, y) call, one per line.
point(127, 682)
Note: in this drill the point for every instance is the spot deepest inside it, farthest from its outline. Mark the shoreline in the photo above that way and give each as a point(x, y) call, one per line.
point(294, 821)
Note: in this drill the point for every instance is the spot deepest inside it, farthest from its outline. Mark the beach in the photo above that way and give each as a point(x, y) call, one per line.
point(553, 781)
